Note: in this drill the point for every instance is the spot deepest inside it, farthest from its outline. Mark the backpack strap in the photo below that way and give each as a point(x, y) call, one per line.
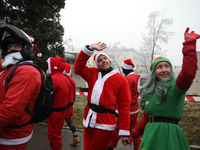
point(42, 74)
point(8, 79)
point(71, 82)
point(23, 125)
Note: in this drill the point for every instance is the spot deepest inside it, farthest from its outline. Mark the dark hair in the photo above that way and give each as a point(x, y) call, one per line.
point(126, 72)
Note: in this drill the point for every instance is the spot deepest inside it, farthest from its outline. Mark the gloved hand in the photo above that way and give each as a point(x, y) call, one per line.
point(190, 37)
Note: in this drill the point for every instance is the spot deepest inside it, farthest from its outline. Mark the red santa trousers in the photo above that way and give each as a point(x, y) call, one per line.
point(55, 124)
point(96, 139)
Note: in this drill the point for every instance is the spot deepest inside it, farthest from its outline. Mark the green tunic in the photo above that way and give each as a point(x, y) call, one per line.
point(160, 135)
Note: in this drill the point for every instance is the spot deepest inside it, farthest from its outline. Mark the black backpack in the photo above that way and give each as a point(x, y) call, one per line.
point(45, 101)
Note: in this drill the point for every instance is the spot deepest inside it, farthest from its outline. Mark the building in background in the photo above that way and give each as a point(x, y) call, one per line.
point(116, 58)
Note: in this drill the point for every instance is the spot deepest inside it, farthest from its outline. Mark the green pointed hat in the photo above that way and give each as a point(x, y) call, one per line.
point(157, 60)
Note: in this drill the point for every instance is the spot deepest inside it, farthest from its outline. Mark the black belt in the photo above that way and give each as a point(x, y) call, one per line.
point(100, 109)
point(62, 108)
point(134, 104)
point(162, 119)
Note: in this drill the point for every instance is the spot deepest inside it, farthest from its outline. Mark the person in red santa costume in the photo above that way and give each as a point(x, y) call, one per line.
point(70, 110)
point(134, 81)
point(22, 91)
point(56, 66)
point(107, 89)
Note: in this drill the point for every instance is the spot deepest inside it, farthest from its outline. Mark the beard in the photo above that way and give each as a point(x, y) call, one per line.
point(12, 58)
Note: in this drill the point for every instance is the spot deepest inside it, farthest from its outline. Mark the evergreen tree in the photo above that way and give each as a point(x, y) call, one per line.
point(40, 19)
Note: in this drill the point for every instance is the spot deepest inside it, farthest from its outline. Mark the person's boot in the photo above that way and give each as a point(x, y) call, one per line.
point(75, 141)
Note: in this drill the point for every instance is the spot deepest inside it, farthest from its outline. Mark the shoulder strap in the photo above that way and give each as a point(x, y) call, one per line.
point(71, 82)
point(9, 77)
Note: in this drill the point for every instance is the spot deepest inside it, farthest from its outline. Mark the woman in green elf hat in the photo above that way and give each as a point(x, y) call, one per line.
point(162, 99)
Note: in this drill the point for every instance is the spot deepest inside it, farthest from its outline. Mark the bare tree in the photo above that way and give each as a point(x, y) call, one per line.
point(157, 35)
point(145, 58)
point(69, 44)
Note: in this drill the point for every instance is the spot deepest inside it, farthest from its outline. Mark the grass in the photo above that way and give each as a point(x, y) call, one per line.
point(79, 107)
point(189, 123)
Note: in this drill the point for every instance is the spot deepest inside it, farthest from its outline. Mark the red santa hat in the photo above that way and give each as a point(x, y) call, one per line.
point(39, 54)
point(55, 64)
point(128, 65)
point(97, 56)
point(67, 70)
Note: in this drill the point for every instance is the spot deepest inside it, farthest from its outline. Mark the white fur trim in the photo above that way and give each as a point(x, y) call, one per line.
point(39, 54)
point(105, 127)
point(67, 74)
point(87, 51)
point(95, 97)
point(12, 59)
point(15, 141)
point(97, 56)
point(128, 67)
point(116, 111)
point(139, 85)
point(134, 112)
point(49, 66)
point(124, 133)
point(86, 122)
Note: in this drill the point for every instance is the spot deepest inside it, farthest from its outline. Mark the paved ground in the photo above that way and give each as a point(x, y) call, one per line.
point(39, 141)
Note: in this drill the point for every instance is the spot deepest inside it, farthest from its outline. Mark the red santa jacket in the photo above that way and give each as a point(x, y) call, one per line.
point(108, 91)
point(72, 96)
point(56, 66)
point(72, 87)
point(22, 91)
point(134, 81)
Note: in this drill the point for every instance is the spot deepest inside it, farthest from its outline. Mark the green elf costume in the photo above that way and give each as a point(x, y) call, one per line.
point(163, 102)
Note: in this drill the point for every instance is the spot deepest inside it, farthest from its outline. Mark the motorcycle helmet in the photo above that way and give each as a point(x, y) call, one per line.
point(12, 34)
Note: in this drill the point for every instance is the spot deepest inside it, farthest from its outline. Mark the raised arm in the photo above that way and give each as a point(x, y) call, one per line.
point(189, 67)
point(80, 63)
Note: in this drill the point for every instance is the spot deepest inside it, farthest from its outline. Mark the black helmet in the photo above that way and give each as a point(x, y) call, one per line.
point(11, 34)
